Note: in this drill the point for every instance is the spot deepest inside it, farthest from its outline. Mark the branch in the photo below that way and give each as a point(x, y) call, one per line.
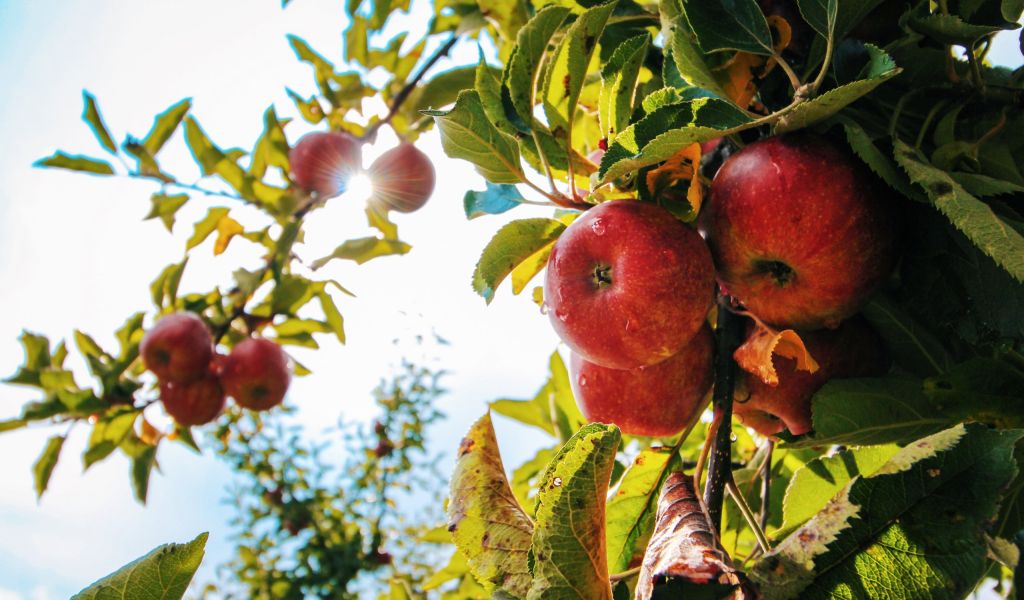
point(729, 334)
point(403, 94)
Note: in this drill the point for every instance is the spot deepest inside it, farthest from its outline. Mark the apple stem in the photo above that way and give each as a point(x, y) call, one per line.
point(728, 337)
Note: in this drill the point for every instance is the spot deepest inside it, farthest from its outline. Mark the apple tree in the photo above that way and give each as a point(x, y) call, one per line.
point(783, 254)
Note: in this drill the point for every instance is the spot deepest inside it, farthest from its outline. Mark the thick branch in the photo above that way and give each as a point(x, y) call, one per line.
point(403, 94)
point(728, 336)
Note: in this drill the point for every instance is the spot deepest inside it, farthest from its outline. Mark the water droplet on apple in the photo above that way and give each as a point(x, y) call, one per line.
point(562, 316)
point(543, 308)
point(597, 227)
point(733, 437)
point(583, 380)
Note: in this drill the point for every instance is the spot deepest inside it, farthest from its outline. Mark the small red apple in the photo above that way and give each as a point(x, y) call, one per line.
point(323, 162)
point(195, 402)
point(402, 178)
point(657, 400)
point(801, 232)
point(256, 374)
point(628, 285)
point(177, 348)
point(852, 350)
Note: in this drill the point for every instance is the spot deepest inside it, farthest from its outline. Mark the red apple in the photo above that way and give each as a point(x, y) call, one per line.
point(256, 374)
point(178, 348)
point(801, 232)
point(852, 350)
point(628, 285)
point(195, 402)
point(402, 178)
point(323, 162)
point(657, 400)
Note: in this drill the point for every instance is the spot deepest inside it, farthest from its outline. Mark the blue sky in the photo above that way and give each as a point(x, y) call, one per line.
point(74, 253)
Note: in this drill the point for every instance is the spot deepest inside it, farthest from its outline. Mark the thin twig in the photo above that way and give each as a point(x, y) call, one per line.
point(624, 575)
point(748, 514)
point(403, 94)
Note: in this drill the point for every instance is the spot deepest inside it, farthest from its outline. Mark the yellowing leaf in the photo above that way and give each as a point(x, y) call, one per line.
point(763, 342)
point(745, 67)
point(486, 521)
point(682, 166)
point(227, 228)
point(526, 270)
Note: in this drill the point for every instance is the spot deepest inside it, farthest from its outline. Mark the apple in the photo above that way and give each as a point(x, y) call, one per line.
point(852, 350)
point(801, 232)
point(323, 162)
point(195, 402)
point(402, 178)
point(255, 373)
point(177, 348)
point(628, 285)
point(657, 400)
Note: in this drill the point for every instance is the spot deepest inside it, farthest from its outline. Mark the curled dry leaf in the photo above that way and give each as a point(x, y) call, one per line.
point(683, 553)
point(763, 342)
point(681, 166)
point(745, 67)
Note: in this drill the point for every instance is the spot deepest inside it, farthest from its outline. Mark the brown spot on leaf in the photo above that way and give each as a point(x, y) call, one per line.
point(940, 188)
point(466, 446)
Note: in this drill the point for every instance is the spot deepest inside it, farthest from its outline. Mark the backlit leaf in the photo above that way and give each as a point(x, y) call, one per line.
point(43, 467)
point(467, 133)
point(363, 249)
point(85, 164)
point(91, 115)
point(163, 574)
point(511, 245)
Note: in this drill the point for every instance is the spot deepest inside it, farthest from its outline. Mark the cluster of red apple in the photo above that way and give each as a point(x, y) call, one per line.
point(797, 233)
point(324, 162)
point(195, 380)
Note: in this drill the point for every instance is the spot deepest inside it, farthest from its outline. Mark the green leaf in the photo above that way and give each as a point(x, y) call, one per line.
point(205, 227)
point(567, 70)
point(164, 289)
point(85, 164)
point(37, 357)
point(913, 347)
point(442, 89)
point(687, 56)
point(91, 115)
point(568, 557)
point(984, 186)
point(524, 477)
point(143, 459)
point(332, 315)
point(164, 126)
point(495, 200)
point(467, 133)
point(164, 207)
point(43, 467)
point(377, 217)
point(880, 162)
point(631, 511)
point(357, 41)
point(975, 219)
point(880, 69)
point(310, 109)
point(531, 44)
point(489, 527)
point(729, 25)
point(618, 84)
point(1011, 10)
point(511, 245)
point(951, 29)
point(661, 134)
point(820, 15)
point(163, 574)
point(901, 409)
point(271, 148)
point(818, 481)
point(878, 528)
point(108, 433)
point(362, 250)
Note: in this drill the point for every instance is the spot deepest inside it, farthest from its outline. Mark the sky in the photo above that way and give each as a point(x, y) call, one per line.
point(75, 253)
